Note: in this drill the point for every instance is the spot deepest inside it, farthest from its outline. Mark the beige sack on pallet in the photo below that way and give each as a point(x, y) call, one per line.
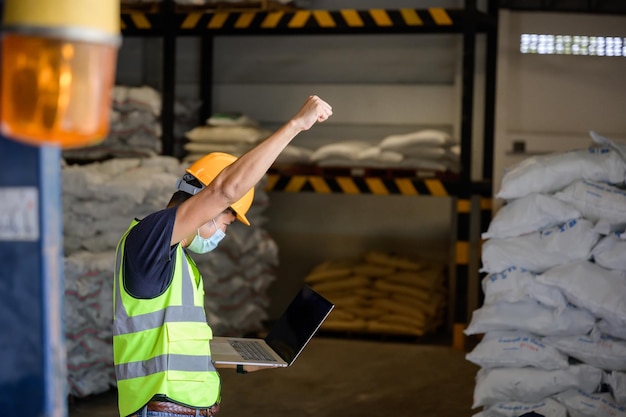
point(388, 328)
point(393, 261)
point(357, 325)
point(328, 275)
point(350, 283)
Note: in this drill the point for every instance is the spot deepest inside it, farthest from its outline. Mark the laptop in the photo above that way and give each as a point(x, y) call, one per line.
point(285, 340)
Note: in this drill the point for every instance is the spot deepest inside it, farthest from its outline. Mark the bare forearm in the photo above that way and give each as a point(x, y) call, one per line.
point(250, 168)
point(236, 179)
point(243, 174)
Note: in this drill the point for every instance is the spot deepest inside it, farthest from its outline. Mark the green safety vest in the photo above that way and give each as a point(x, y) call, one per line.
point(161, 345)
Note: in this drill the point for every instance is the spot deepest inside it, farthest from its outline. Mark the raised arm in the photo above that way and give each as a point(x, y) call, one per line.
point(243, 174)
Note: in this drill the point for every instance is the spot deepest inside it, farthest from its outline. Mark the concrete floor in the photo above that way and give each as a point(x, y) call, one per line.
point(338, 377)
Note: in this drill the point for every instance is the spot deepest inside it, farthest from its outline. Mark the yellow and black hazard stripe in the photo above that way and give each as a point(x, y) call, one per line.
point(360, 185)
point(379, 185)
point(141, 23)
point(462, 250)
point(301, 21)
point(463, 211)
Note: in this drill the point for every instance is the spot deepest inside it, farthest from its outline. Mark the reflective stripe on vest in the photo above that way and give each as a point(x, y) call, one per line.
point(153, 320)
point(163, 363)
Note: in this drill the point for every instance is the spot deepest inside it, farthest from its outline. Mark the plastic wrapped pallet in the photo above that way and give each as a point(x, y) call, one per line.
point(554, 289)
point(425, 149)
point(88, 315)
point(135, 125)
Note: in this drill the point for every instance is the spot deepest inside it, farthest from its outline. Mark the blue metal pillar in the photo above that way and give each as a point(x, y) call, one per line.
point(33, 369)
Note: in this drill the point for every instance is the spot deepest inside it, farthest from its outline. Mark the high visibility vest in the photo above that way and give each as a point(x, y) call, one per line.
point(161, 345)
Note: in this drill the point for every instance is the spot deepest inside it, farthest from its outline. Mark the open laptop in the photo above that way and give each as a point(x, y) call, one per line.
point(286, 339)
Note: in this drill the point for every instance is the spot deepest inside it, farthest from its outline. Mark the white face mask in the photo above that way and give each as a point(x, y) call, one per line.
point(206, 245)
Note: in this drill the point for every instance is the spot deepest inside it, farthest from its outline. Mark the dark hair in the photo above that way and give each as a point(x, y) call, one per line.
point(178, 198)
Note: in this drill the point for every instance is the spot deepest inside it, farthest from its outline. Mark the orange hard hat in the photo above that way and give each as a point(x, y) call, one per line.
point(206, 169)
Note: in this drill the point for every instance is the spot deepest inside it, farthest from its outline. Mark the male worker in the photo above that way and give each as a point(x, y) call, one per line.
point(161, 338)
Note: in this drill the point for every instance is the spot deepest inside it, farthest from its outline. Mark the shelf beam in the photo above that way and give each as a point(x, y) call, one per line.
point(343, 21)
point(374, 184)
point(168, 81)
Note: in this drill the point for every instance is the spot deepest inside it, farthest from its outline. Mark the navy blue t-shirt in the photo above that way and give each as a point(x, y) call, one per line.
point(148, 257)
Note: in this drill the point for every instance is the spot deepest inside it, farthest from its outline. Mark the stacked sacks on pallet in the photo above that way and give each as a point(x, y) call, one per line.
point(135, 125)
point(234, 133)
point(134, 129)
point(382, 293)
point(88, 311)
point(99, 202)
point(553, 314)
point(425, 149)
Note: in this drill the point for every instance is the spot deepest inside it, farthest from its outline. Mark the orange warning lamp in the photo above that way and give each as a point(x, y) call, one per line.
point(58, 69)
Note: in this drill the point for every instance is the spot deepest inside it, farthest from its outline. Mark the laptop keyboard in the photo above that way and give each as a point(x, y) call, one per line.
point(251, 351)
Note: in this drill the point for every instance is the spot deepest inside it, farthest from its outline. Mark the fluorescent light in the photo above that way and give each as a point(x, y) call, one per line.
point(546, 44)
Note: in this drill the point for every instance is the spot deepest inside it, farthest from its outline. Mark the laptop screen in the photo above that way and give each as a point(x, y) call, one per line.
point(298, 323)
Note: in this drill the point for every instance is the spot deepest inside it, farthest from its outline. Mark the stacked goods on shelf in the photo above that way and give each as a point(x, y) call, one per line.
point(99, 202)
point(554, 315)
point(425, 149)
point(233, 133)
point(382, 293)
point(135, 126)
point(236, 133)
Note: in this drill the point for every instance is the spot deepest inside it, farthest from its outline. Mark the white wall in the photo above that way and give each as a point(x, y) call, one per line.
point(551, 102)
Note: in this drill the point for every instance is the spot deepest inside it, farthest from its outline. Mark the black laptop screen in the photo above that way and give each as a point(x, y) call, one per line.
point(298, 323)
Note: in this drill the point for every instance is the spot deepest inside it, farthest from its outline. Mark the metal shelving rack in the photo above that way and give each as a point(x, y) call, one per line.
point(472, 198)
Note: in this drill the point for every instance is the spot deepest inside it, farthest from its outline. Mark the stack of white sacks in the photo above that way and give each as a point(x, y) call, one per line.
point(424, 149)
point(234, 133)
point(554, 313)
point(99, 202)
point(135, 125)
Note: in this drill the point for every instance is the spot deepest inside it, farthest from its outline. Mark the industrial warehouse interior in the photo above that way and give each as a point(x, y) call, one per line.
point(463, 207)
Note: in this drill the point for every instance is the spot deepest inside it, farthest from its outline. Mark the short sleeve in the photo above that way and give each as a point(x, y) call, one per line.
point(148, 256)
